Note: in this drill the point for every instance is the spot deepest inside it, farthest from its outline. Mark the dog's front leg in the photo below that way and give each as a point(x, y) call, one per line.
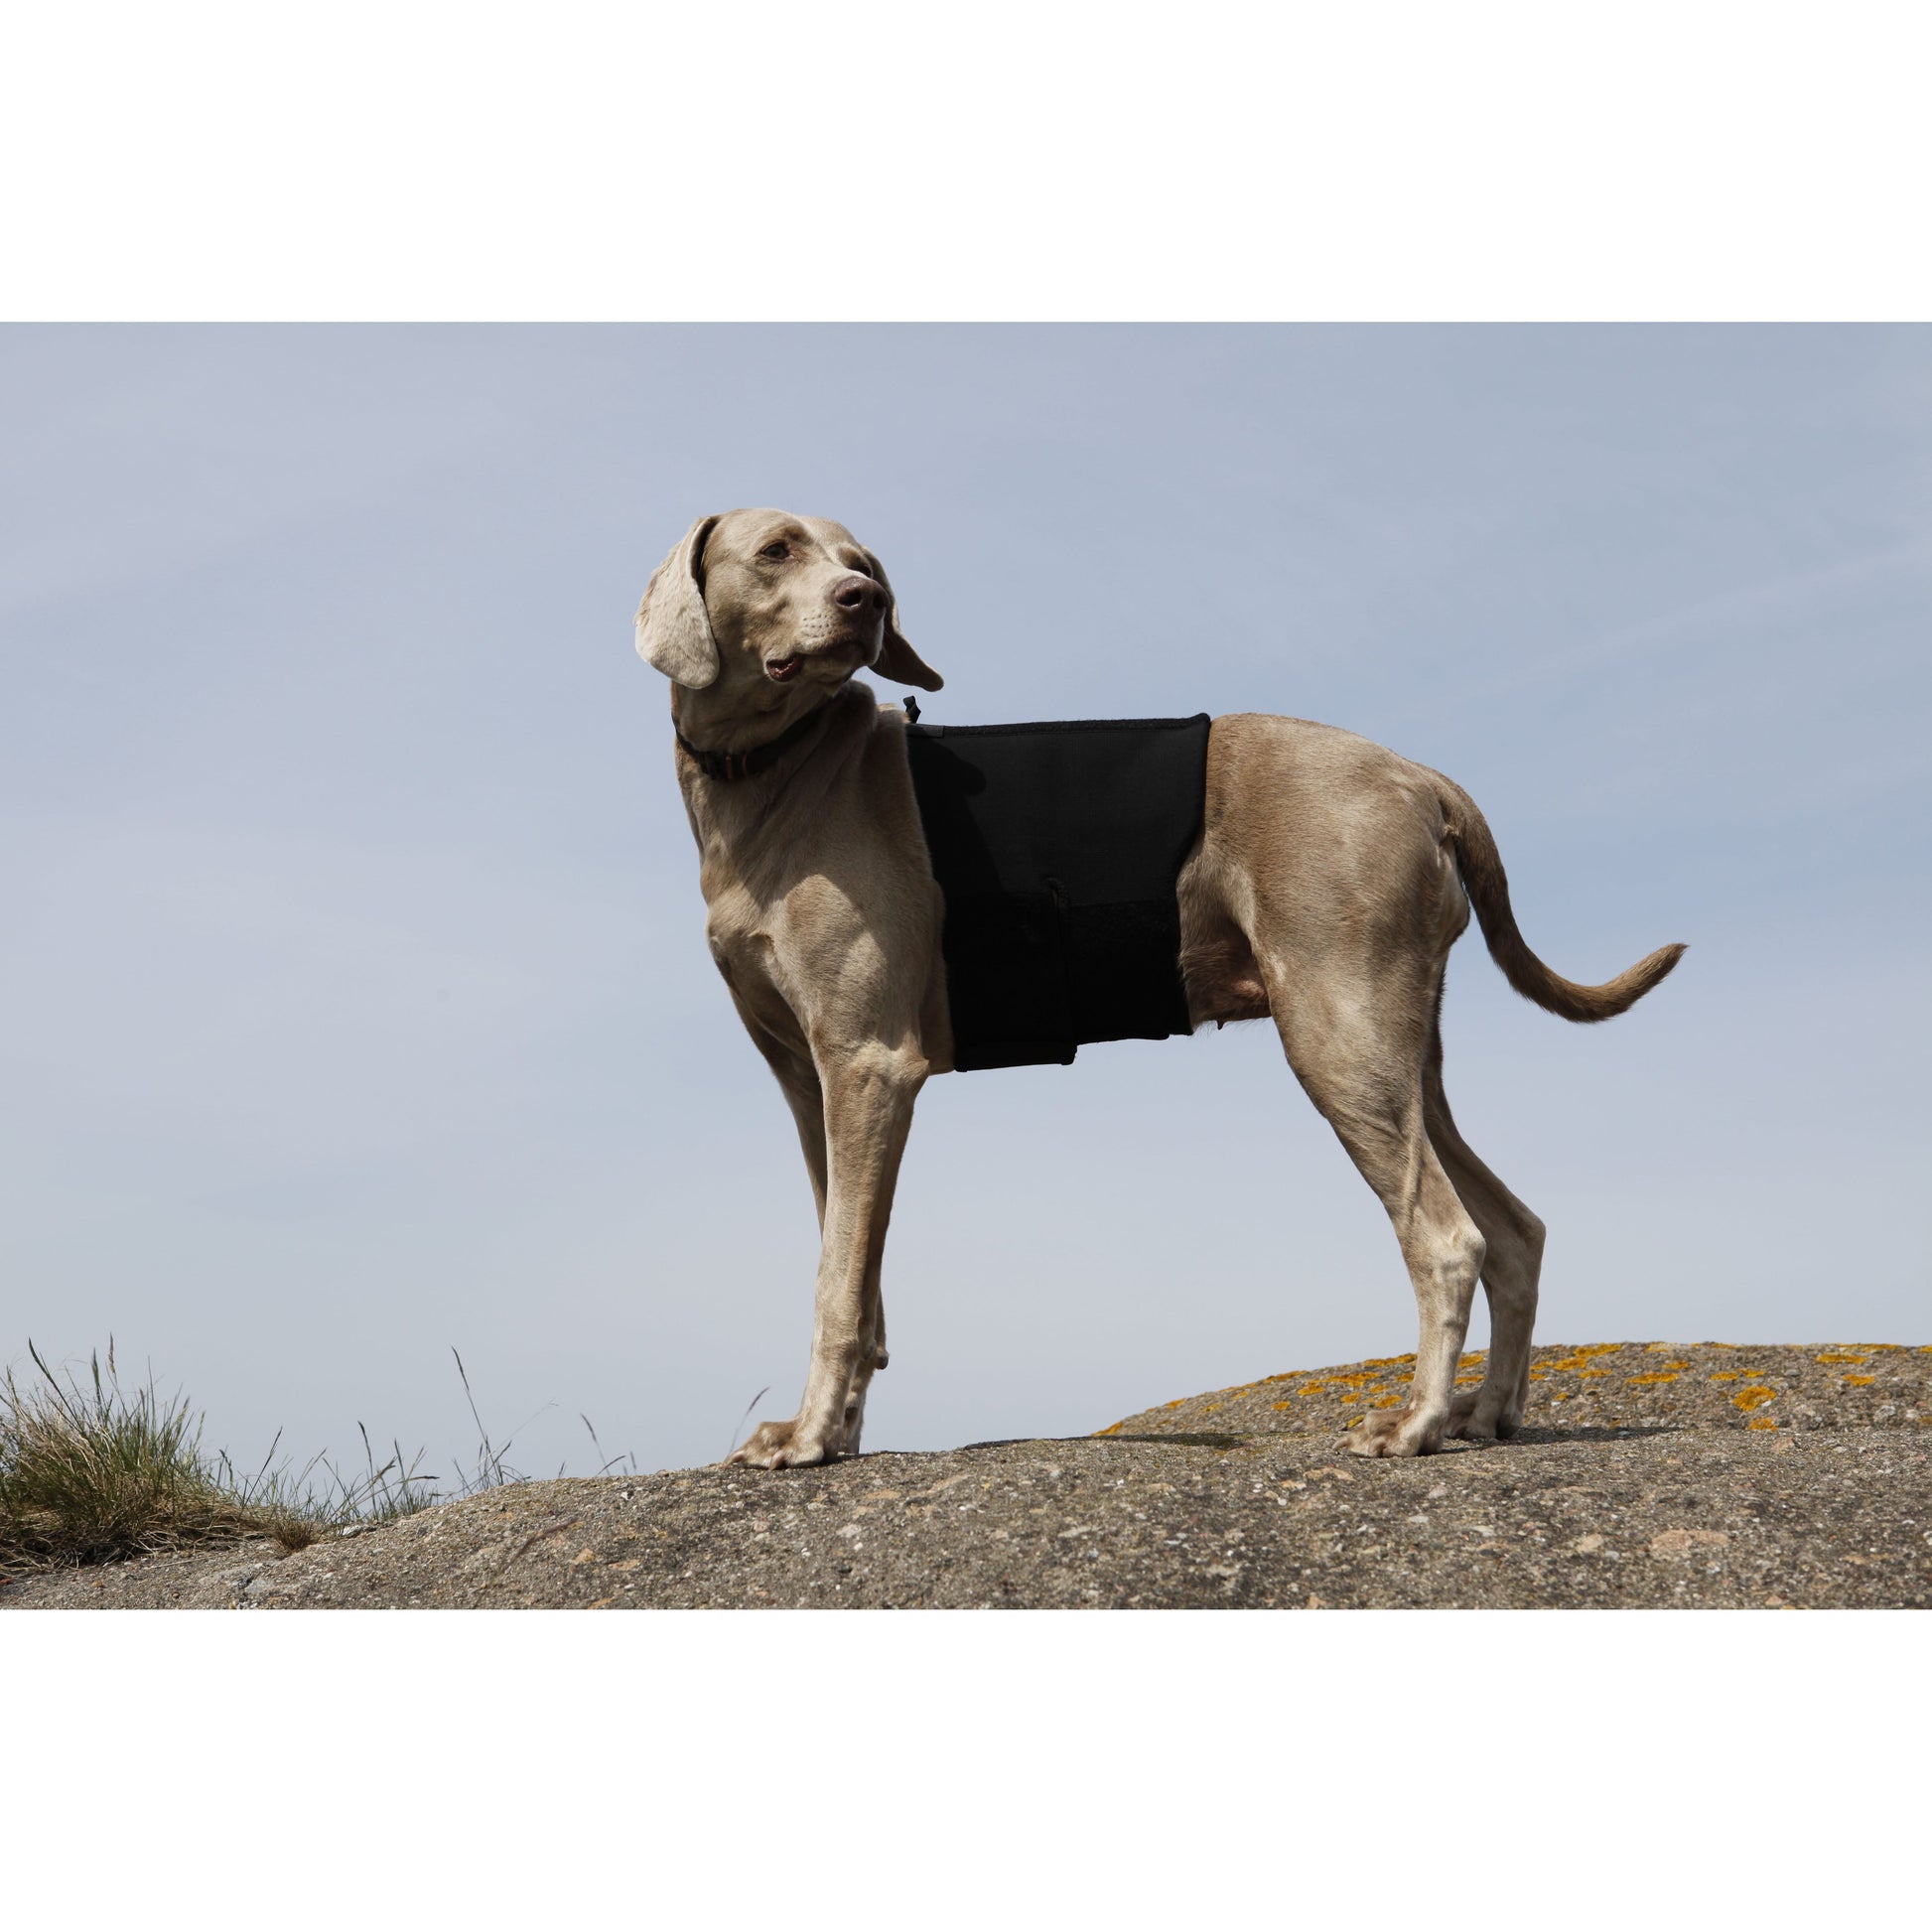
point(868, 1096)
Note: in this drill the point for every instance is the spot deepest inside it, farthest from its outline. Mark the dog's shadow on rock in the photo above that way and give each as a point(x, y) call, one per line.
point(1524, 1438)
point(1593, 1433)
point(1169, 1437)
point(1531, 1438)
point(1187, 1440)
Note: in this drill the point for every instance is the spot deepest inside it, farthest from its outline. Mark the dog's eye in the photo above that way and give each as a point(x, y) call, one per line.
point(777, 552)
point(859, 567)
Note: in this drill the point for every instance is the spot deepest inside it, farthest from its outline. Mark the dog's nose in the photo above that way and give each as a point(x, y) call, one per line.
point(854, 592)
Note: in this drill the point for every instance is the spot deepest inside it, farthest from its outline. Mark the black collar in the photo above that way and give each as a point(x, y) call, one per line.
point(728, 766)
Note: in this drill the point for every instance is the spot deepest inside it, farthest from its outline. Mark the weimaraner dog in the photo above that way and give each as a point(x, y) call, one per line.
point(824, 917)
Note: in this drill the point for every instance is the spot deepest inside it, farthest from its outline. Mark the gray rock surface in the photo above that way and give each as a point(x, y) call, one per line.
point(1578, 1391)
point(1638, 1492)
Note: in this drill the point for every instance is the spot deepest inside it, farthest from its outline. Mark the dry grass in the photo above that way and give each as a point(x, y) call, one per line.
point(92, 1472)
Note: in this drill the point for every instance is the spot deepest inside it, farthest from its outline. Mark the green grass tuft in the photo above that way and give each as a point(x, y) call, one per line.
point(92, 1472)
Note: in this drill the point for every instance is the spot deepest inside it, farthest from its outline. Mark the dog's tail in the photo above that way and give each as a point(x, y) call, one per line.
point(1489, 888)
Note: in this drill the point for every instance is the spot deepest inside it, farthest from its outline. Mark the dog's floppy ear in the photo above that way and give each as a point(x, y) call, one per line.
point(899, 662)
point(673, 632)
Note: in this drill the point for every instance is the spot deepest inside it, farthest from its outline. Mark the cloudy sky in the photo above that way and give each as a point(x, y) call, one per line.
point(355, 1004)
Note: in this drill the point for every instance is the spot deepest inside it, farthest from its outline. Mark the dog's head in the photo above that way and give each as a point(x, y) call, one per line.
point(763, 598)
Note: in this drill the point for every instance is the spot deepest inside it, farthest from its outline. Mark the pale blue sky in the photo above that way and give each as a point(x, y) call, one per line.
point(356, 1001)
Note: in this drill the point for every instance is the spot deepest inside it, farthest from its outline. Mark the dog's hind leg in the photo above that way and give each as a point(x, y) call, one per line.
point(1513, 1260)
point(1356, 1038)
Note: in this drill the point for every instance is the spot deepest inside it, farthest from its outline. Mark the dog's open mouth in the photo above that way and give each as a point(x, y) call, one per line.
point(842, 650)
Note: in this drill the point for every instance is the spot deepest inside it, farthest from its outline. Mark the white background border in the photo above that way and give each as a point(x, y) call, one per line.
point(1014, 159)
point(760, 162)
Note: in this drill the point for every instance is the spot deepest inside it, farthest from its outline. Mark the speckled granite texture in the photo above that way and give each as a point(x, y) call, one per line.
point(1647, 1475)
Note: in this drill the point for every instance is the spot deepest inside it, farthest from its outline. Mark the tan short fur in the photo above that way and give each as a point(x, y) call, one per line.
point(1331, 881)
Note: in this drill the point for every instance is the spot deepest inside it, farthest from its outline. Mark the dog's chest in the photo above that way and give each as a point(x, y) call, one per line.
point(781, 955)
point(749, 960)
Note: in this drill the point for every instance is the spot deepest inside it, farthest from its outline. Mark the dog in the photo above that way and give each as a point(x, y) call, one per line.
point(1330, 880)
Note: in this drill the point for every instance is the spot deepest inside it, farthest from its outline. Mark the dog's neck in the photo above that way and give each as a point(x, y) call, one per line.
point(719, 743)
point(733, 716)
point(728, 768)
point(748, 833)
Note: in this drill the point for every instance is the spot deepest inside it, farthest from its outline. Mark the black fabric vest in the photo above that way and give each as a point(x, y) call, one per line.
point(1058, 848)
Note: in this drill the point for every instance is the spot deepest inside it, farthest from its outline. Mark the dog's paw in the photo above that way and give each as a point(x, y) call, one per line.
point(1478, 1416)
point(1471, 1418)
point(780, 1446)
point(1393, 1431)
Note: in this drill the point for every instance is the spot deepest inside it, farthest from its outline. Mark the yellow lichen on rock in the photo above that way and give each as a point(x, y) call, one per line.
point(1754, 1398)
point(1577, 1360)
